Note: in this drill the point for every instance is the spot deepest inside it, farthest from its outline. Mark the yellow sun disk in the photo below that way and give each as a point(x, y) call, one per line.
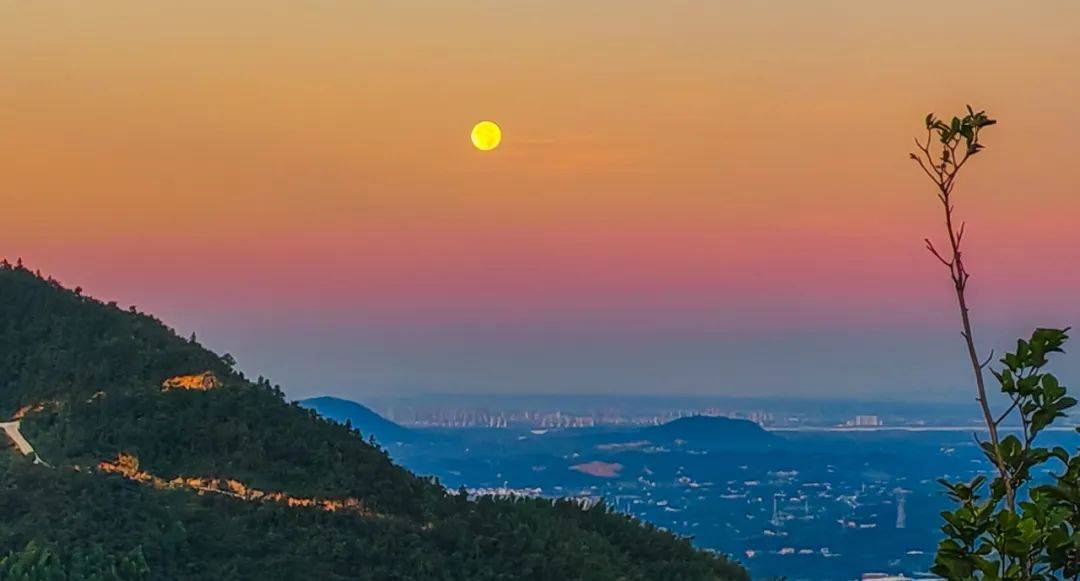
point(486, 135)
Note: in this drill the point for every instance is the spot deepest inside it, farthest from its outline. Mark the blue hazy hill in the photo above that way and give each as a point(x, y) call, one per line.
point(711, 432)
point(362, 418)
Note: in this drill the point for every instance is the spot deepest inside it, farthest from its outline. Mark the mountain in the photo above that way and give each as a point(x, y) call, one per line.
point(711, 432)
point(159, 460)
point(361, 418)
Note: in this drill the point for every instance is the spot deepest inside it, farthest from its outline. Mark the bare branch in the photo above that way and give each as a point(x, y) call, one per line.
point(1016, 402)
point(943, 173)
point(919, 161)
point(930, 247)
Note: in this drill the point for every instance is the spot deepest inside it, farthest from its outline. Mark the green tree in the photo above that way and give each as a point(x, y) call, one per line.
point(1014, 528)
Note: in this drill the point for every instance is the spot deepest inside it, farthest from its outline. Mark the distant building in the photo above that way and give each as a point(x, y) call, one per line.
point(502, 492)
point(864, 421)
point(760, 418)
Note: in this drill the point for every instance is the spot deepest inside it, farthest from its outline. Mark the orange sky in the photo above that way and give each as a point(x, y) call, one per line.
point(677, 171)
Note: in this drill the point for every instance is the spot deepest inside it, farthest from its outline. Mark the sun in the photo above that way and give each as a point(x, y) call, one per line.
point(486, 135)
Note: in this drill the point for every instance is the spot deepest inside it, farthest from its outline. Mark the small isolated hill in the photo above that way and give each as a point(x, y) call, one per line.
point(361, 418)
point(711, 432)
point(165, 462)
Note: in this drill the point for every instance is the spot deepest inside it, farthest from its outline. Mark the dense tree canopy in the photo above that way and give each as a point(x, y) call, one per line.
point(94, 373)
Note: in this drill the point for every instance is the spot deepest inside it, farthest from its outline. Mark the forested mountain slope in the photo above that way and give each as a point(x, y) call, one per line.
point(217, 477)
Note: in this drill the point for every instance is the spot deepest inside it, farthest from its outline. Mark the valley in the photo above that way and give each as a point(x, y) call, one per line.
point(814, 504)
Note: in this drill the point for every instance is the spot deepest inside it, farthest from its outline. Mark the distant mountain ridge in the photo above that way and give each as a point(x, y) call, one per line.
point(716, 432)
point(361, 418)
point(710, 431)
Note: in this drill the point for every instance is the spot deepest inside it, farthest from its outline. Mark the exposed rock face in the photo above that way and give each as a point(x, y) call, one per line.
point(12, 431)
point(201, 382)
point(127, 465)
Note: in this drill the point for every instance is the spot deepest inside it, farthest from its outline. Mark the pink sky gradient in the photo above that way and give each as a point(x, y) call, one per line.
point(295, 185)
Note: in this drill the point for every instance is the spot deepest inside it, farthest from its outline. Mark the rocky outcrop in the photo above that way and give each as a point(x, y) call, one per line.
point(201, 382)
point(127, 465)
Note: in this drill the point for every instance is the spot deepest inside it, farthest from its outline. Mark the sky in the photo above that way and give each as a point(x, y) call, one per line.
point(689, 198)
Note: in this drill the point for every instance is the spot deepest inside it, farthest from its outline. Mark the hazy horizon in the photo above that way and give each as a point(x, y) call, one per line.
point(717, 202)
